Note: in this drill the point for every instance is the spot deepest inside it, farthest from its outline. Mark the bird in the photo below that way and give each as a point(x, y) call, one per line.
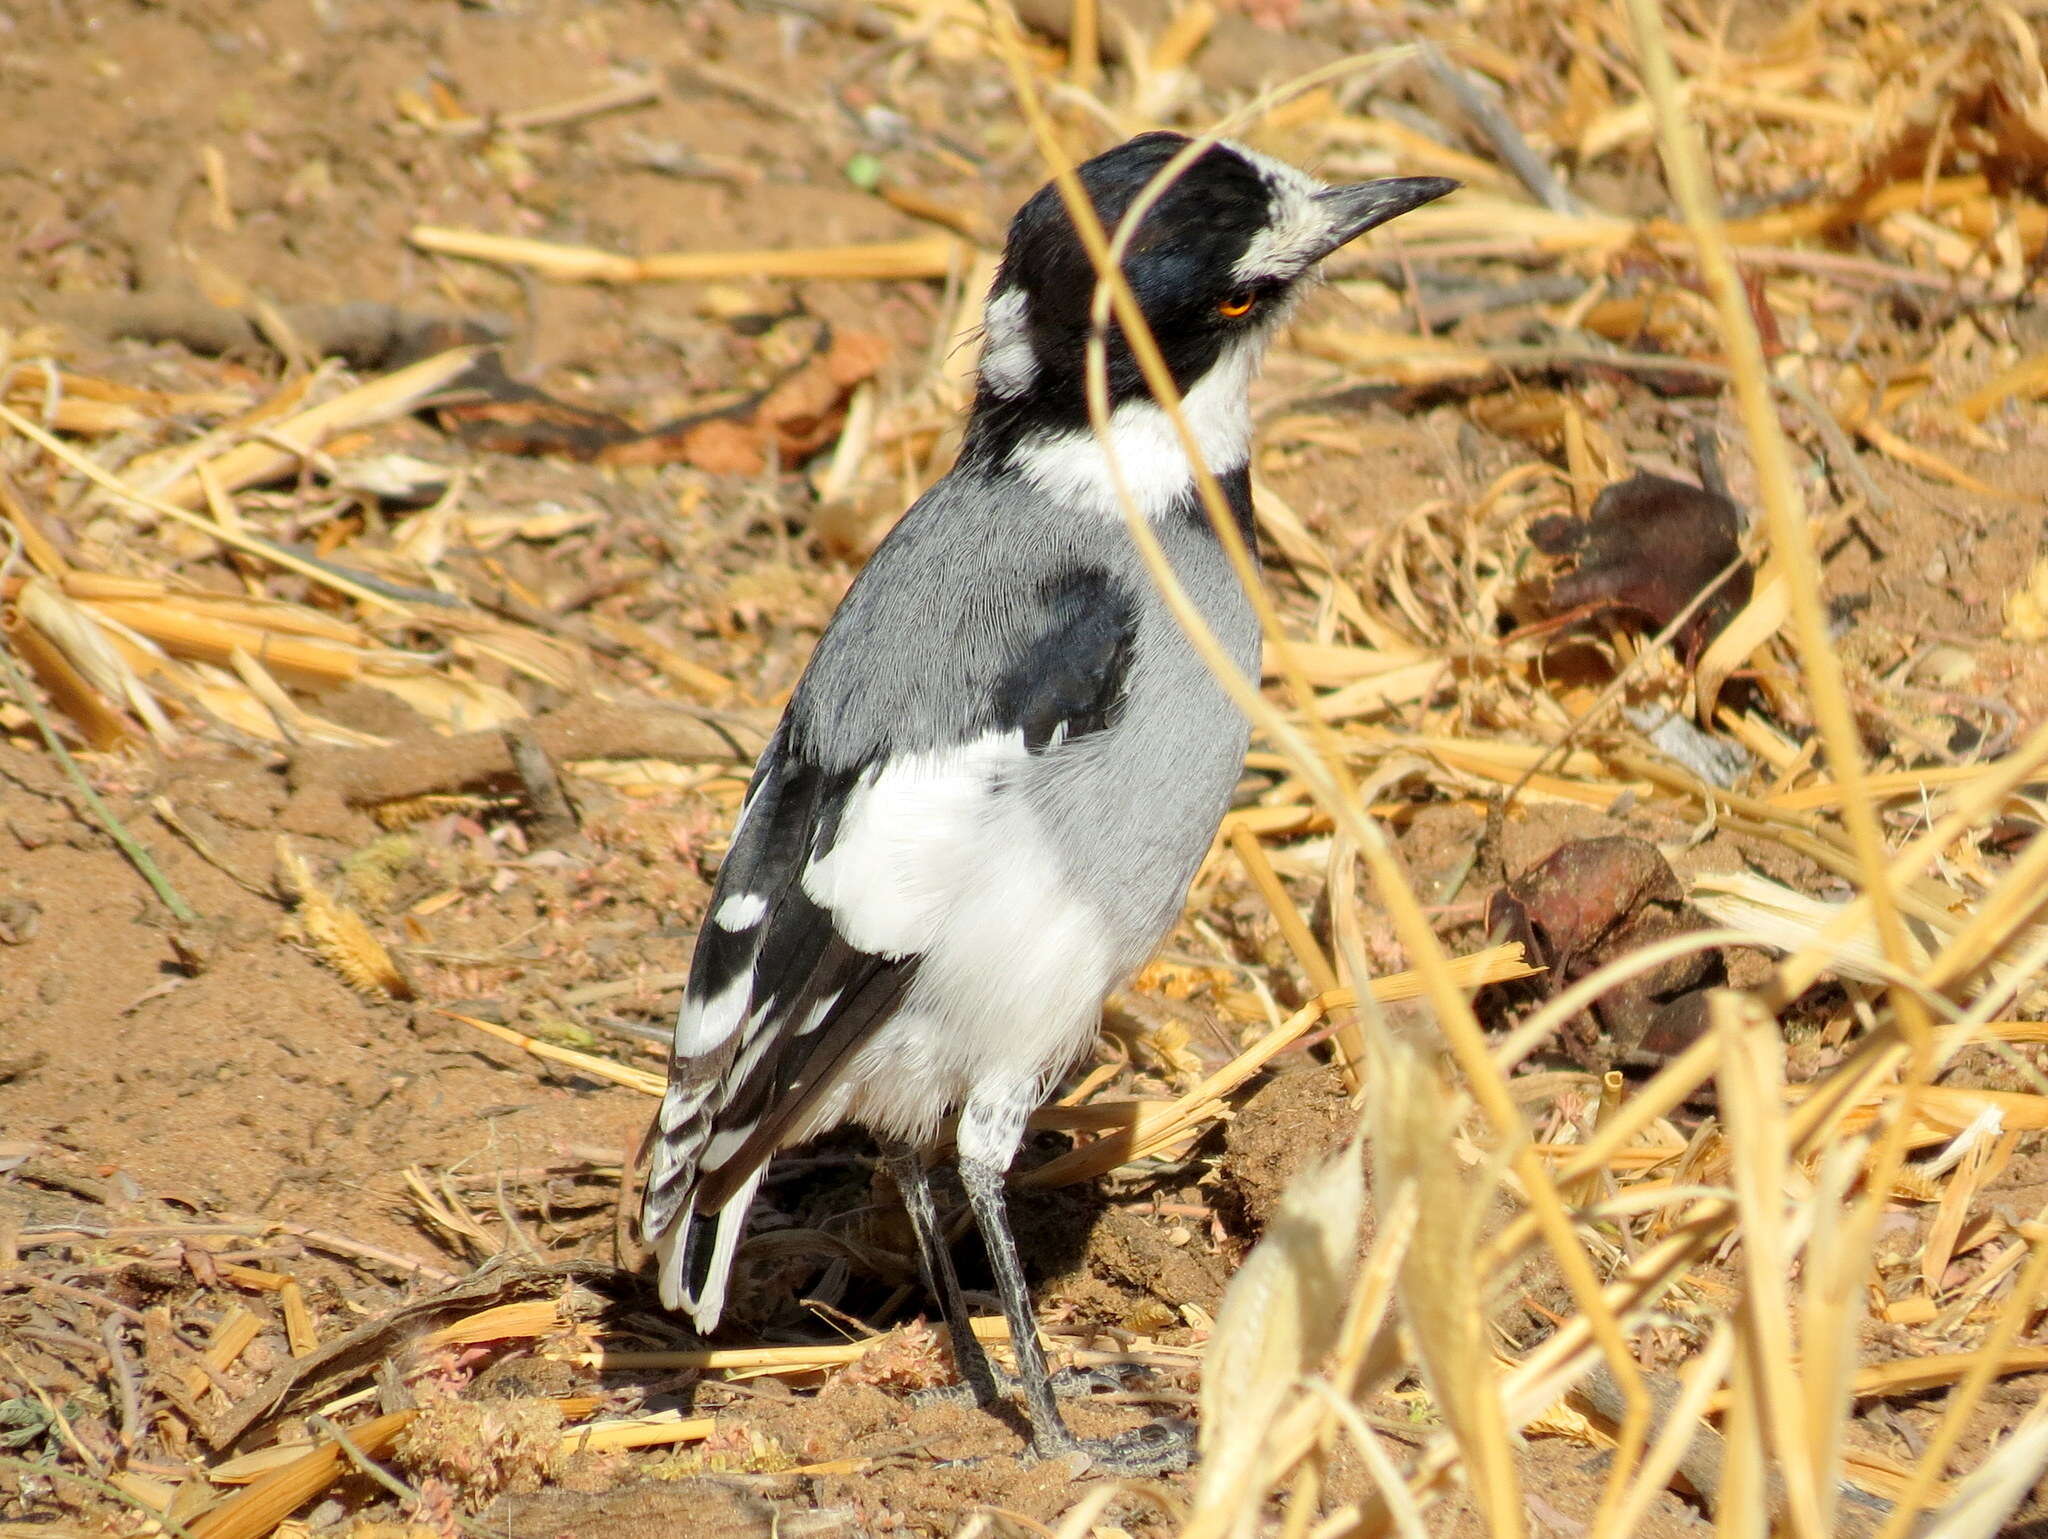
point(995, 779)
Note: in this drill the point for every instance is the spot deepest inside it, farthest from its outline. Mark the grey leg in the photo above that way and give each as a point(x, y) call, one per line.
point(935, 1260)
point(1147, 1450)
point(984, 1183)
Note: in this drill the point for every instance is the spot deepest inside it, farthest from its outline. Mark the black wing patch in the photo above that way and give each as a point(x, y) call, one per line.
point(1069, 677)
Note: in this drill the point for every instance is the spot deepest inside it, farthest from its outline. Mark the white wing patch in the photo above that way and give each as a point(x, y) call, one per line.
point(741, 911)
point(1073, 469)
point(703, 1025)
point(910, 841)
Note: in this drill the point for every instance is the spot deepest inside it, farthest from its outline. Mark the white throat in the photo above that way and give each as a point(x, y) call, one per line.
point(1073, 468)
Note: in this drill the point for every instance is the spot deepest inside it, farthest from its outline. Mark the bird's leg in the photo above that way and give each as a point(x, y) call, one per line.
point(1144, 1451)
point(935, 1260)
point(984, 1183)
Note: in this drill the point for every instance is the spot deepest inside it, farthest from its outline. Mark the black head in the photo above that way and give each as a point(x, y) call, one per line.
point(1214, 264)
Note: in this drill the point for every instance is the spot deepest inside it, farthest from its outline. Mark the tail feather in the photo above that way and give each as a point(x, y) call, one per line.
point(700, 1292)
point(671, 1220)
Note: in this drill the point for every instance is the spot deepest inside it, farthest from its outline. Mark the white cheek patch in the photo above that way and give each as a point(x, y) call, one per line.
point(1008, 365)
point(1074, 469)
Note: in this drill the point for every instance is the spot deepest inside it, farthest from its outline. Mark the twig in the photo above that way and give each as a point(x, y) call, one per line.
point(633, 93)
point(365, 1463)
point(23, 1279)
point(554, 819)
point(742, 90)
point(653, 983)
point(929, 256)
point(586, 729)
point(1839, 449)
point(364, 334)
point(127, 1396)
point(319, 1239)
point(116, 829)
point(68, 1234)
point(168, 815)
point(1501, 132)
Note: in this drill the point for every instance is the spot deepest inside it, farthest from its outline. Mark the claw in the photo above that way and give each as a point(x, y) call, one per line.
point(1080, 1383)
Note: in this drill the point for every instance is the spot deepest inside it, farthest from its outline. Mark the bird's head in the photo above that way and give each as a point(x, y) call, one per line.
point(1214, 264)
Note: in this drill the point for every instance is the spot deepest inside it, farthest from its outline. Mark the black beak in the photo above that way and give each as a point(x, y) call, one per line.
point(1365, 205)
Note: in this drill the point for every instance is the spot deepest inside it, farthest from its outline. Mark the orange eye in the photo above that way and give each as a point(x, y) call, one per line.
point(1236, 305)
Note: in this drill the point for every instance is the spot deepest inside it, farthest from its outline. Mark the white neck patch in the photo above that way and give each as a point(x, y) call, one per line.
point(1073, 469)
point(1007, 363)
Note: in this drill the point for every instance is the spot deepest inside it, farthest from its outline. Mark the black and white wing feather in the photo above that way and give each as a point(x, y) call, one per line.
point(841, 873)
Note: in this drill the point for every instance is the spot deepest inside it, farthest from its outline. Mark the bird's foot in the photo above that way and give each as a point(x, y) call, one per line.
point(1081, 1383)
point(1153, 1449)
point(963, 1393)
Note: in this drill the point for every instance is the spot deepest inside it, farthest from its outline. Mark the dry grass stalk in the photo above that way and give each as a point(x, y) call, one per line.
point(380, 400)
point(613, 98)
point(659, 1429)
point(1279, 1318)
point(749, 1360)
point(272, 1499)
point(1752, 1100)
point(929, 256)
point(646, 1081)
point(1440, 1287)
point(302, 1335)
point(69, 690)
point(505, 1322)
point(230, 1339)
point(1307, 953)
point(1161, 1130)
point(188, 631)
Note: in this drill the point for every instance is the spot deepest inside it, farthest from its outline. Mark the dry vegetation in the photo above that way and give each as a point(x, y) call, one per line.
point(1726, 1206)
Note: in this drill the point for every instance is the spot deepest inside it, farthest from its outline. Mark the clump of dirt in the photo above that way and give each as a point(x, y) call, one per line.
point(1295, 1120)
point(479, 1448)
